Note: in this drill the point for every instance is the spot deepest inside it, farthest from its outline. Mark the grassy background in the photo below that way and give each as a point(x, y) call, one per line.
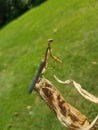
point(74, 27)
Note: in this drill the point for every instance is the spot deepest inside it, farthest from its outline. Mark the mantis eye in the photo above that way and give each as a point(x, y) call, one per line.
point(50, 40)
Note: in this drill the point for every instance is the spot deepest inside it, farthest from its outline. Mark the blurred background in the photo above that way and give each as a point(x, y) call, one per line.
point(25, 27)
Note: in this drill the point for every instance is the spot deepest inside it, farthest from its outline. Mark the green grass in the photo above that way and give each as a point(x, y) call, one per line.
point(74, 27)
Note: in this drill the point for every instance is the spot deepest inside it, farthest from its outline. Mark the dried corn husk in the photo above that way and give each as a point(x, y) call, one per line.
point(69, 116)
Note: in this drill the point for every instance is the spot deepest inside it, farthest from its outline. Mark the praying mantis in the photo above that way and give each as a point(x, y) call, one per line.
point(68, 115)
point(43, 65)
